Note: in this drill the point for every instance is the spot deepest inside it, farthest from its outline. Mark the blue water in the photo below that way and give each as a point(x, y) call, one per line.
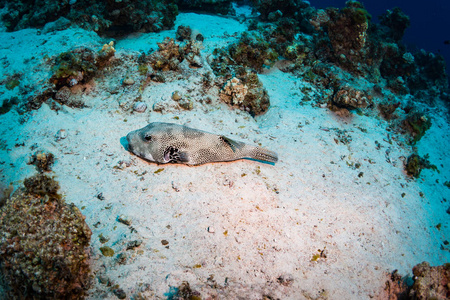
point(430, 21)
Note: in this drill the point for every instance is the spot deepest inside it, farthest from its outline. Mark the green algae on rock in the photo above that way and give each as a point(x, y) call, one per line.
point(415, 164)
point(416, 124)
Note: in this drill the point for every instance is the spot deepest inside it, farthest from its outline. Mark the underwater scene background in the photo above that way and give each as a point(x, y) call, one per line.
point(326, 175)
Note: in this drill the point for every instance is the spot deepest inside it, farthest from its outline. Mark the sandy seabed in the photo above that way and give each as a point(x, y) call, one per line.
point(328, 221)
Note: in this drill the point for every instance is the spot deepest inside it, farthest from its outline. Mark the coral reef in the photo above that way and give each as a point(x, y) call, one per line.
point(69, 70)
point(429, 75)
point(256, 102)
point(184, 291)
point(104, 17)
point(396, 21)
point(5, 193)
point(430, 282)
point(287, 8)
point(43, 244)
point(74, 67)
point(348, 36)
point(212, 6)
point(29, 13)
point(427, 283)
point(12, 81)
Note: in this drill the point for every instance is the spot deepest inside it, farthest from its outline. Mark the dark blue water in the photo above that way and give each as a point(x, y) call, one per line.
point(430, 21)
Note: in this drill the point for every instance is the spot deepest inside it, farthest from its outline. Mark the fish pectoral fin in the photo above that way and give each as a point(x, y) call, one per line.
point(183, 157)
point(234, 145)
point(174, 155)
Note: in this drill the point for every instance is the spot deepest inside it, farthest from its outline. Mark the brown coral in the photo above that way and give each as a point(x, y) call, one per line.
point(247, 93)
point(42, 160)
point(168, 56)
point(233, 92)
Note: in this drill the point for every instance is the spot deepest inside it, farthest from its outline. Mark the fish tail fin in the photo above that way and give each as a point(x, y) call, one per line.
point(243, 150)
point(263, 154)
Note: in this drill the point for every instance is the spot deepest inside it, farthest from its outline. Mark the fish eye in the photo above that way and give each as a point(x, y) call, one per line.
point(147, 137)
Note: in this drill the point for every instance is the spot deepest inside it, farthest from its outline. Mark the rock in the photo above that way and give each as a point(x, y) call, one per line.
point(120, 293)
point(107, 251)
point(60, 135)
point(186, 104)
point(159, 106)
point(124, 220)
point(133, 244)
point(140, 107)
point(128, 81)
point(58, 25)
point(63, 94)
point(183, 33)
point(176, 96)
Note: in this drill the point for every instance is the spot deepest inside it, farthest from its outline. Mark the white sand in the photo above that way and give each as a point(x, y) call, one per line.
point(265, 221)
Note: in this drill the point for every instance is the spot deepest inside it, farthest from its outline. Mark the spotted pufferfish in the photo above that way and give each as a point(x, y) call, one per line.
point(172, 143)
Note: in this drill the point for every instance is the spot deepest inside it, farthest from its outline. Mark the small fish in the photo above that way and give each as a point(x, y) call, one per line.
point(171, 143)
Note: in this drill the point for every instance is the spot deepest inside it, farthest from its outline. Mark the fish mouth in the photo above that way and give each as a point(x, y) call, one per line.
point(129, 147)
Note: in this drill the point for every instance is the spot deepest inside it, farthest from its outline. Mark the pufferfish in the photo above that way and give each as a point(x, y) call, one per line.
point(171, 143)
